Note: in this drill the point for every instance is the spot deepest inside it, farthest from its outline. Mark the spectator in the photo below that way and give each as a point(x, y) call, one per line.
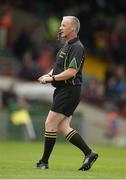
point(29, 70)
point(18, 110)
point(113, 127)
point(45, 60)
point(23, 43)
point(5, 25)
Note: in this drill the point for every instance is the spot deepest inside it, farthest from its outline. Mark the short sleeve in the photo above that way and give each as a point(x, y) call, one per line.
point(76, 56)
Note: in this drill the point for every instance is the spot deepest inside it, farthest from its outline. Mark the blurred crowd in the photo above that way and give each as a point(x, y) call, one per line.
point(103, 32)
point(108, 93)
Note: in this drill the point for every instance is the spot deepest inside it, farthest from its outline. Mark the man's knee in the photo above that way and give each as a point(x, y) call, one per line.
point(64, 127)
point(53, 120)
point(50, 126)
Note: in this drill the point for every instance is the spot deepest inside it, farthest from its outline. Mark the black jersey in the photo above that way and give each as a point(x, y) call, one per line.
point(71, 55)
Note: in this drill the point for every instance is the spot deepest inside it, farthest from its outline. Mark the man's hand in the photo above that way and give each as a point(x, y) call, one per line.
point(45, 79)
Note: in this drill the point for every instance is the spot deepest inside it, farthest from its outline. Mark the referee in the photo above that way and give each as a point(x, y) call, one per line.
point(66, 77)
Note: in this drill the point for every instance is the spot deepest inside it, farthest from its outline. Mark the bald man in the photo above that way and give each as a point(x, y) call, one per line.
point(66, 77)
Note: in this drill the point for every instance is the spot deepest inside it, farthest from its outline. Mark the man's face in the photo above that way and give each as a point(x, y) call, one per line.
point(66, 28)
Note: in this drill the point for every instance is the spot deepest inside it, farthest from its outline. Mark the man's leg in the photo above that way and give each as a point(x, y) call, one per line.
point(51, 125)
point(72, 136)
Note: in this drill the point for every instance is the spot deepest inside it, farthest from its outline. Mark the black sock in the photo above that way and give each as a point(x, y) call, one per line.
point(77, 140)
point(50, 139)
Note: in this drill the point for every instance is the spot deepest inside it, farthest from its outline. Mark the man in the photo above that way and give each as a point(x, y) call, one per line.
point(66, 76)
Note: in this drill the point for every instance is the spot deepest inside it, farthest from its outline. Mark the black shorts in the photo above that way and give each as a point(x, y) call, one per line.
point(66, 99)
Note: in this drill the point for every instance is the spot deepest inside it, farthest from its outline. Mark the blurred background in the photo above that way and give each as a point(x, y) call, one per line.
point(28, 45)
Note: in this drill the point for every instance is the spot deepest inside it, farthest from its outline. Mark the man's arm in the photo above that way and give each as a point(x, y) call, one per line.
point(65, 75)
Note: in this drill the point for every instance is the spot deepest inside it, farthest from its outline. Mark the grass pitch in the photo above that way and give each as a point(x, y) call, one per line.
point(18, 158)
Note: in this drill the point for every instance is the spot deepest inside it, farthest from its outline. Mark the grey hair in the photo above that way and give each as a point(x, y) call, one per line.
point(75, 21)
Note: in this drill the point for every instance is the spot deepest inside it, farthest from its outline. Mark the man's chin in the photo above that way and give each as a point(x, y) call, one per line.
point(62, 38)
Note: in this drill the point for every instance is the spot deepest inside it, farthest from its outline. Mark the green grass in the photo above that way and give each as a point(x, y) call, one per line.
point(17, 160)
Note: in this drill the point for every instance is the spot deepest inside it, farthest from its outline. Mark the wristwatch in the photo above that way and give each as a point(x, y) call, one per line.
point(53, 77)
